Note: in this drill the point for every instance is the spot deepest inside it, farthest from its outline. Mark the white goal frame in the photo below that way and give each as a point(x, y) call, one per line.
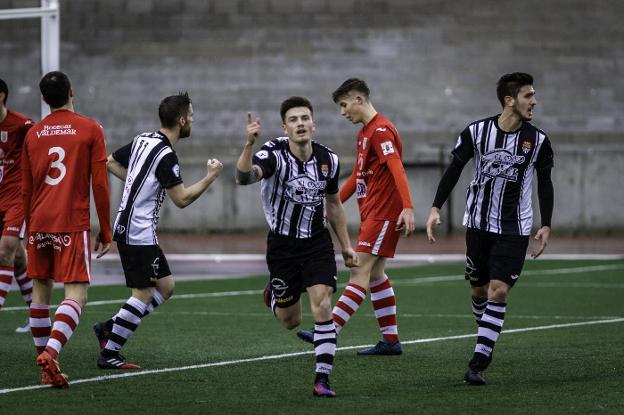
point(50, 15)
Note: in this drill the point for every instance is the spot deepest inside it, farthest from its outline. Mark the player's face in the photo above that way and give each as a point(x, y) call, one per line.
point(350, 107)
point(299, 125)
point(524, 103)
point(185, 130)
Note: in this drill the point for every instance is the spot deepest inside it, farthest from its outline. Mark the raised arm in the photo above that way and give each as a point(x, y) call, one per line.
point(246, 171)
point(183, 196)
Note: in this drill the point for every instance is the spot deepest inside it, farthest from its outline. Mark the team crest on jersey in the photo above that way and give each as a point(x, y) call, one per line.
point(526, 146)
point(262, 154)
point(387, 148)
point(4, 136)
point(324, 169)
point(176, 170)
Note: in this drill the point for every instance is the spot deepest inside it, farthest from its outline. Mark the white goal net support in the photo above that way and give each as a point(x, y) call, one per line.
point(50, 16)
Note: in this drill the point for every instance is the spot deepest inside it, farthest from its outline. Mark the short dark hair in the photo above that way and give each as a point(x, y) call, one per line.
point(292, 102)
point(4, 88)
point(351, 84)
point(509, 85)
point(55, 87)
point(172, 108)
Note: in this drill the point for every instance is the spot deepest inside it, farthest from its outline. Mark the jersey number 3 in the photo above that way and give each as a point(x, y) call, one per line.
point(56, 164)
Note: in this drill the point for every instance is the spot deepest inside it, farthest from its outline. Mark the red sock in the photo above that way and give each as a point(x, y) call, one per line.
point(66, 319)
point(347, 304)
point(384, 304)
point(26, 286)
point(6, 278)
point(40, 325)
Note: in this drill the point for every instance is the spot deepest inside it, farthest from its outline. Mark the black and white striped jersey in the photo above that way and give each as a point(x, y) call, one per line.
point(499, 196)
point(152, 167)
point(293, 191)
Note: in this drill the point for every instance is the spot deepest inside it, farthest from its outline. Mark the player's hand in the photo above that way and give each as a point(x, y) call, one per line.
point(214, 167)
point(253, 129)
point(434, 219)
point(405, 222)
point(101, 247)
point(351, 258)
point(542, 235)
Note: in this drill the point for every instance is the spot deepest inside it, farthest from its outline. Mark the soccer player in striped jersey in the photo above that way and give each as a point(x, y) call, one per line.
point(63, 160)
point(150, 168)
point(299, 187)
point(381, 188)
point(13, 129)
point(508, 152)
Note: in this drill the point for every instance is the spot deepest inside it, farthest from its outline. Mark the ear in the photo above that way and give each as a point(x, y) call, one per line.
point(509, 101)
point(284, 129)
point(182, 121)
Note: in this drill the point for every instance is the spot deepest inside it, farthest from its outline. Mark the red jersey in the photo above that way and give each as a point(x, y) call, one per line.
point(375, 188)
point(12, 133)
point(62, 154)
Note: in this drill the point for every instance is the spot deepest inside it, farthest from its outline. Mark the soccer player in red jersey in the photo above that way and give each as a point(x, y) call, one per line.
point(382, 191)
point(13, 128)
point(62, 155)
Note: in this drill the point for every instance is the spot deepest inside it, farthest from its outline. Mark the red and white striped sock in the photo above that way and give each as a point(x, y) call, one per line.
point(384, 304)
point(6, 278)
point(40, 325)
point(26, 286)
point(66, 319)
point(347, 304)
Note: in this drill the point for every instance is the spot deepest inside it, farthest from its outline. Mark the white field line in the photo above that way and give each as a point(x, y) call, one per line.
point(287, 355)
point(467, 316)
point(414, 281)
point(431, 258)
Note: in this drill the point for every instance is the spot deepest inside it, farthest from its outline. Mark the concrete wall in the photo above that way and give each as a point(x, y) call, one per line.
point(432, 66)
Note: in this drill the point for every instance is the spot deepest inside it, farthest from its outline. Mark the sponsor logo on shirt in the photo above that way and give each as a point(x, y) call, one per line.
point(176, 170)
point(62, 129)
point(305, 191)
point(499, 163)
point(360, 188)
point(387, 148)
point(364, 243)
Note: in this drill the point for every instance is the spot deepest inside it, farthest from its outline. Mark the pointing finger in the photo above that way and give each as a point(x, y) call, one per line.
point(249, 120)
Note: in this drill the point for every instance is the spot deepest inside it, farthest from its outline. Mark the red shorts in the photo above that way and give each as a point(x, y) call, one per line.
point(378, 237)
point(65, 257)
point(12, 220)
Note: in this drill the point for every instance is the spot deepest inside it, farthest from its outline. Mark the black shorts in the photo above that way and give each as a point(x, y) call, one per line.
point(143, 265)
point(295, 264)
point(492, 256)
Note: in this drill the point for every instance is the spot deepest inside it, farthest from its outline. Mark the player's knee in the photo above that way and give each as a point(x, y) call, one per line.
point(498, 294)
point(291, 322)
point(167, 290)
point(7, 257)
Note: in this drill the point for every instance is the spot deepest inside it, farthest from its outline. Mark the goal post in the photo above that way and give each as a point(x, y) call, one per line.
point(50, 16)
